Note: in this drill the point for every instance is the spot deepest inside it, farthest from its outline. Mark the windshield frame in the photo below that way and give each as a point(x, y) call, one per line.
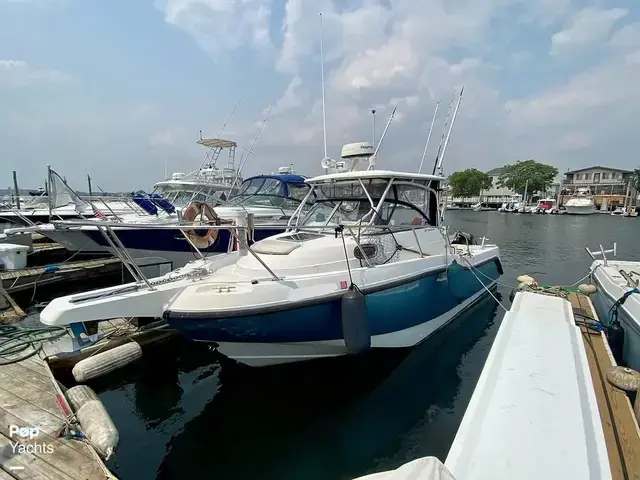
point(430, 188)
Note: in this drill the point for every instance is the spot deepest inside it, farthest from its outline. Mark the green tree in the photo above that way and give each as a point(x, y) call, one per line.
point(538, 177)
point(468, 183)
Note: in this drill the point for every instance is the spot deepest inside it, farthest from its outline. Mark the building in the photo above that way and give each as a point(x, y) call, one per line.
point(609, 186)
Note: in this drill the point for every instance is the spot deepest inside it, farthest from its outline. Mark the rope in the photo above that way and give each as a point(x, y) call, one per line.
point(18, 343)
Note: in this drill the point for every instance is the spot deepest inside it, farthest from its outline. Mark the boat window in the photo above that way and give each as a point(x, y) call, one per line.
point(298, 191)
point(333, 213)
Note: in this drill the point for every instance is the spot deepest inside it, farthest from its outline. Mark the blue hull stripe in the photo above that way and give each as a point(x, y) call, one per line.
point(390, 310)
point(163, 240)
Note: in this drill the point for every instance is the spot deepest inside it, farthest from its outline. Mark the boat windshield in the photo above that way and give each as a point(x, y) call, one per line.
point(181, 197)
point(347, 203)
point(269, 192)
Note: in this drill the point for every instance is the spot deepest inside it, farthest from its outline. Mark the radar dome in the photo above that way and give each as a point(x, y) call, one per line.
point(358, 149)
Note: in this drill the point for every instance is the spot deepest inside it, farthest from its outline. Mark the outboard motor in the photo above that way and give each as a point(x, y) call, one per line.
point(163, 203)
point(463, 238)
point(143, 201)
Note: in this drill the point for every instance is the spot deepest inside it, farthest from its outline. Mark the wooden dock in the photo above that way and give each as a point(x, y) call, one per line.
point(10, 311)
point(20, 280)
point(620, 426)
point(28, 398)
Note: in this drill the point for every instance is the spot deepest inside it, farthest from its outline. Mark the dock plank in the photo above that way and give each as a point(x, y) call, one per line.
point(618, 420)
point(31, 466)
point(28, 398)
point(65, 456)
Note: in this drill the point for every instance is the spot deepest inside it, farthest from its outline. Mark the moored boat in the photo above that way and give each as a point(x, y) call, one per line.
point(368, 266)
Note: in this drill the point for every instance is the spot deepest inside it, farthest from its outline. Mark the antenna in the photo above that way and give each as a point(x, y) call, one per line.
point(453, 120)
point(324, 112)
point(442, 138)
point(373, 114)
point(255, 139)
point(424, 153)
point(372, 159)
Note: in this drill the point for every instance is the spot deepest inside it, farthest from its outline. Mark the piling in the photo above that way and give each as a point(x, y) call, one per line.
point(16, 189)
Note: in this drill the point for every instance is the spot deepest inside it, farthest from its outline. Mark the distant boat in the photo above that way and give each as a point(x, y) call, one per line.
point(581, 203)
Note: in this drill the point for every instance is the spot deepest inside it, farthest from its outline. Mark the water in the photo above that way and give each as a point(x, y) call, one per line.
point(183, 410)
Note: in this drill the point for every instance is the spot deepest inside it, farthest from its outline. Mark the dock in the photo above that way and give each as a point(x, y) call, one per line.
point(30, 400)
point(13, 281)
point(10, 311)
point(543, 406)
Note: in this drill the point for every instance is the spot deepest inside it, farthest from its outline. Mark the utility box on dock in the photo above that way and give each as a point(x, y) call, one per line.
point(13, 257)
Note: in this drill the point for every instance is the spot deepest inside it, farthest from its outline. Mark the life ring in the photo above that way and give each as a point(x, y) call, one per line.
point(205, 211)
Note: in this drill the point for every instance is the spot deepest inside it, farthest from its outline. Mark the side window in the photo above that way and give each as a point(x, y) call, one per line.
point(298, 192)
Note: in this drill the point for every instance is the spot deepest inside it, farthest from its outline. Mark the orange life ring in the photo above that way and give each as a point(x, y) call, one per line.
point(205, 211)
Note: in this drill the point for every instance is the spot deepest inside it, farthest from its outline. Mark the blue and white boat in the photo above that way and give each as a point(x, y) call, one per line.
point(368, 265)
point(272, 199)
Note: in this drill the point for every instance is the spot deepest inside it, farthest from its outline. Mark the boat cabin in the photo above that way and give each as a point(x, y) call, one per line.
point(372, 197)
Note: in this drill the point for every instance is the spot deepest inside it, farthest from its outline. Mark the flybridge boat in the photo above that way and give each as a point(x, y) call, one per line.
point(367, 266)
point(581, 203)
point(272, 199)
point(169, 199)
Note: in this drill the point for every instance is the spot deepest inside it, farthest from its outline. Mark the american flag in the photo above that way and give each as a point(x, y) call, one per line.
point(99, 214)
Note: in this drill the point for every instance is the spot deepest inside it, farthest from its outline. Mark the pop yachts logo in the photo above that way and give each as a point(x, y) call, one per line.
point(18, 434)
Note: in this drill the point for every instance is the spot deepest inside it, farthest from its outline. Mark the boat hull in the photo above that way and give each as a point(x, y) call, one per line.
point(313, 329)
point(580, 209)
point(628, 315)
point(169, 244)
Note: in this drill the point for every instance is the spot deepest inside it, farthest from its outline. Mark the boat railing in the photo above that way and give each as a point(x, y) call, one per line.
point(242, 230)
point(603, 253)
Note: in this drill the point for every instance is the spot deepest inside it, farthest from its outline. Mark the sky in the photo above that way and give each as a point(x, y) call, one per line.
point(116, 89)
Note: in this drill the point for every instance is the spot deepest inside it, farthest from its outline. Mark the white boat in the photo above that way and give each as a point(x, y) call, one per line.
point(618, 297)
point(619, 211)
point(513, 205)
point(581, 203)
point(349, 274)
point(167, 204)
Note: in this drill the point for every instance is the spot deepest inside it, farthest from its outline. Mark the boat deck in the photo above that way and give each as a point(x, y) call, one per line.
point(29, 399)
point(543, 407)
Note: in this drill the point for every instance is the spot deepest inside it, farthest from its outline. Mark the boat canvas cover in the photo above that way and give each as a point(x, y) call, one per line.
point(426, 468)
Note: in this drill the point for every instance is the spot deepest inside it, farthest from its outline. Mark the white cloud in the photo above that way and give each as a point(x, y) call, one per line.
point(627, 37)
point(590, 26)
point(17, 73)
point(221, 25)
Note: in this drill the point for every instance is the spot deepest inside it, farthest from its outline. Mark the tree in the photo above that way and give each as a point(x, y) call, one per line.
point(468, 183)
point(537, 177)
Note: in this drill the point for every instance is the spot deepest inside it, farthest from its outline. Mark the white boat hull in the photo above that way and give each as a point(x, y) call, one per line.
point(611, 287)
point(580, 209)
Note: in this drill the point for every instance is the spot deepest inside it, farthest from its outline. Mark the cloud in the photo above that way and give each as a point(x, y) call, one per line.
point(627, 37)
point(590, 26)
point(218, 26)
point(17, 73)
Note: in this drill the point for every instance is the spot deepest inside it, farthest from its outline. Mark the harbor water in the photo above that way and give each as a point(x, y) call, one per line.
point(183, 410)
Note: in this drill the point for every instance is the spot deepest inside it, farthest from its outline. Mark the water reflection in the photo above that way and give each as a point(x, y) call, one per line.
point(337, 418)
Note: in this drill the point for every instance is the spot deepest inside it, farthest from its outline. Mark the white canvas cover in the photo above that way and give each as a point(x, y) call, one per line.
point(425, 468)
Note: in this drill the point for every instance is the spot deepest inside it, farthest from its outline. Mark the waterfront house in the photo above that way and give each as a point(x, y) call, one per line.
point(610, 187)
